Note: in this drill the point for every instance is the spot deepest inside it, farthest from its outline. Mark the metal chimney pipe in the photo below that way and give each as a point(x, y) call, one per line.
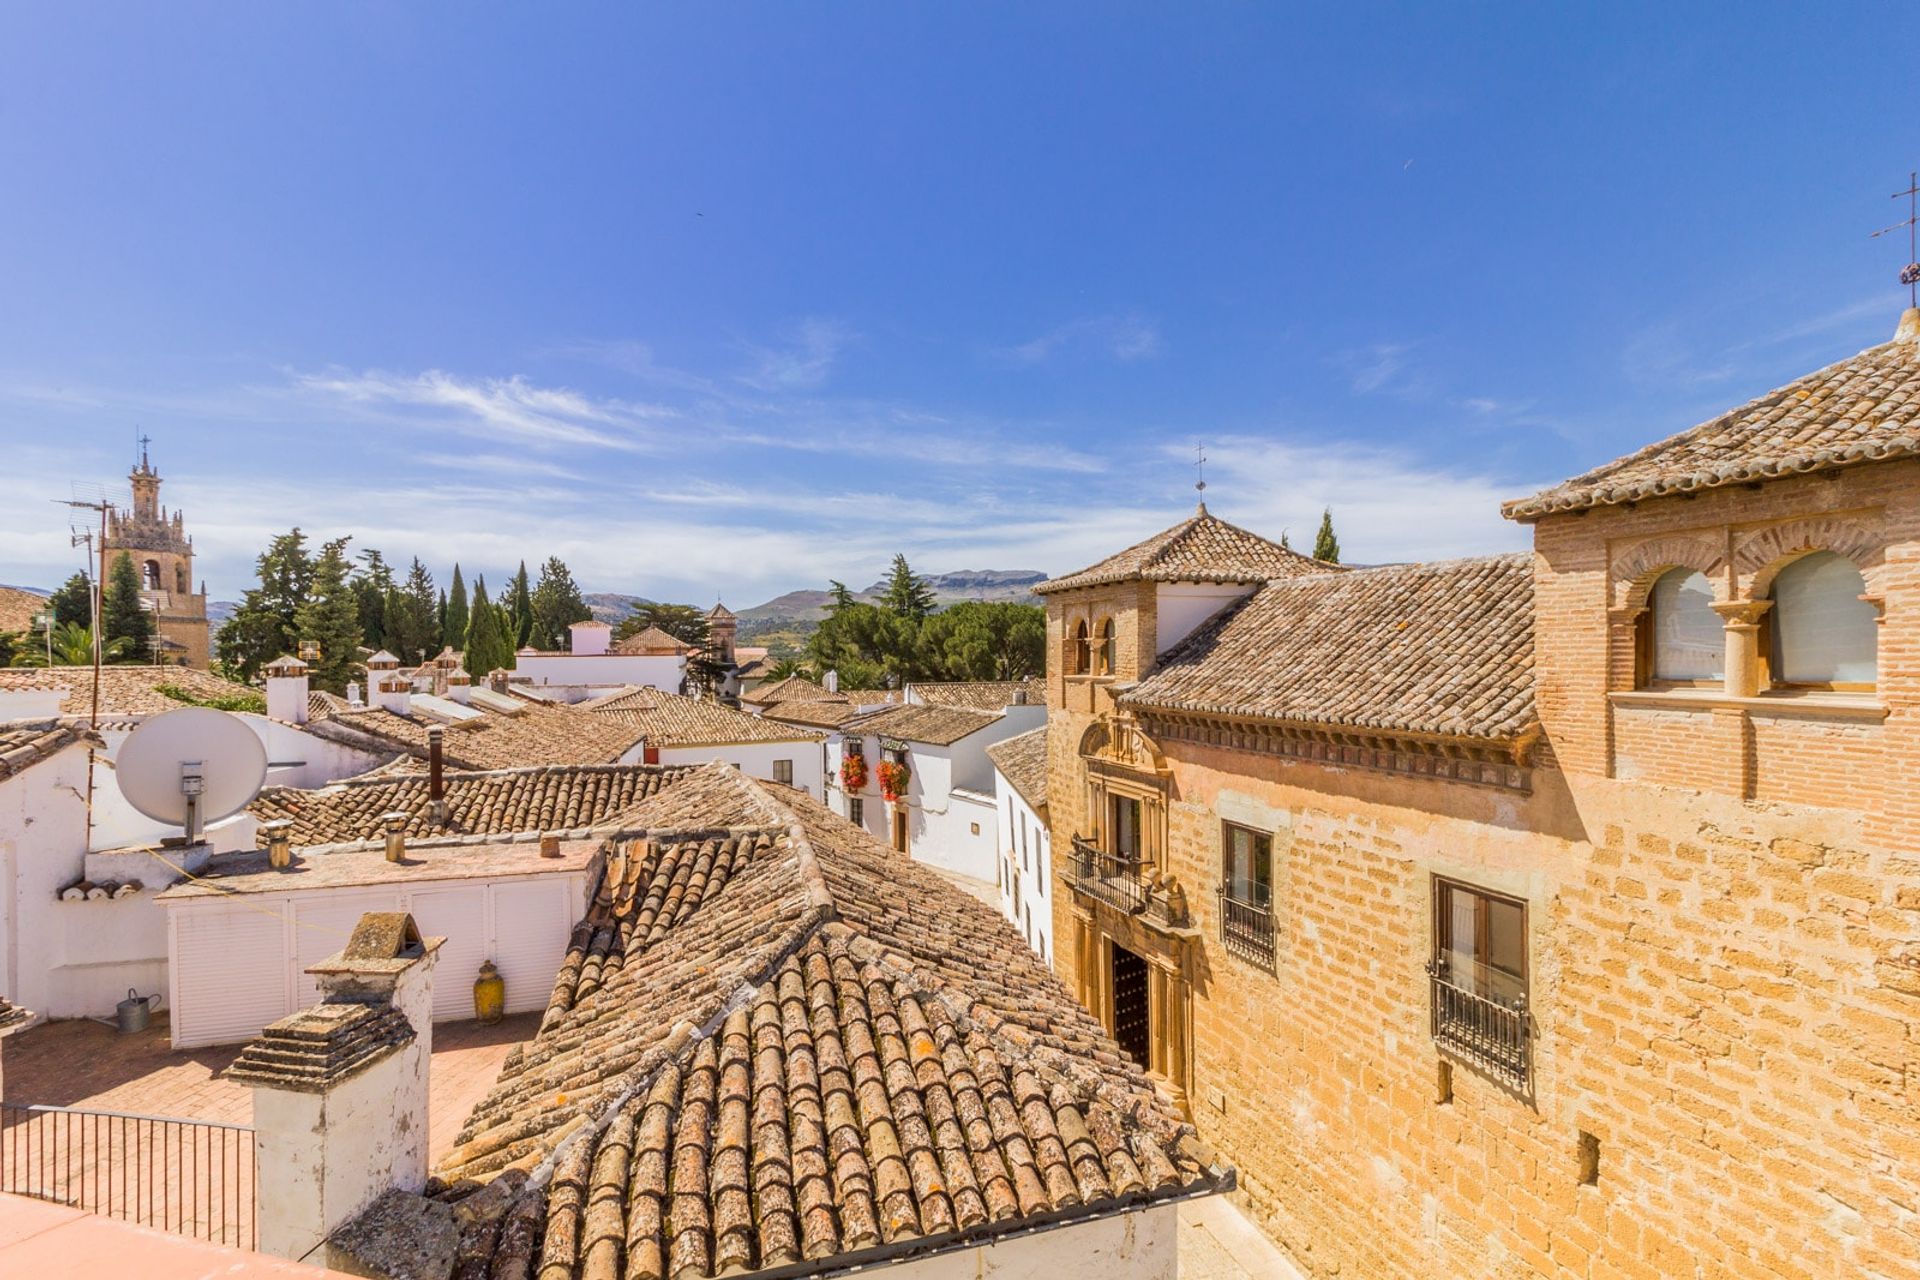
point(279, 835)
point(436, 784)
point(395, 824)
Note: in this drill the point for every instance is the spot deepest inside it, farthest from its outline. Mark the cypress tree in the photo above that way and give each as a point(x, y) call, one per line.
point(486, 641)
point(453, 629)
point(123, 616)
point(520, 608)
point(1326, 547)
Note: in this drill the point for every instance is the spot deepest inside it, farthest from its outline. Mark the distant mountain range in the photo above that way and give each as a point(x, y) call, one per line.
point(803, 610)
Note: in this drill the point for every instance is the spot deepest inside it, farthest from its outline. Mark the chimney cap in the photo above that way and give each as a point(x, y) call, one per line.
point(382, 661)
point(286, 663)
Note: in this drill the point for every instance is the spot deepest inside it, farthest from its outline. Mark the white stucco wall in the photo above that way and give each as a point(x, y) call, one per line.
point(1141, 1245)
point(657, 671)
point(1183, 606)
point(756, 759)
point(43, 845)
point(1026, 867)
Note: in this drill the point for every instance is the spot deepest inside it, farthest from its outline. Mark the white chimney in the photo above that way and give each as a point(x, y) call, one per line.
point(832, 681)
point(588, 639)
point(340, 1089)
point(394, 692)
point(460, 686)
point(287, 689)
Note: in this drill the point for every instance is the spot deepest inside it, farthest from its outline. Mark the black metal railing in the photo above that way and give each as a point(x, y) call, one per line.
point(1490, 1033)
point(192, 1177)
point(1123, 882)
point(1246, 928)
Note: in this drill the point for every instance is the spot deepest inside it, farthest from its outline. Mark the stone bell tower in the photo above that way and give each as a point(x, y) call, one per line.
point(162, 556)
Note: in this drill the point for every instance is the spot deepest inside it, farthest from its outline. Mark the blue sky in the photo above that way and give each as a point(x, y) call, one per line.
point(721, 300)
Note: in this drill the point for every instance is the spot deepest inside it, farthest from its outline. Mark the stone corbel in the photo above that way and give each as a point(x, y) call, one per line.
point(1742, 619)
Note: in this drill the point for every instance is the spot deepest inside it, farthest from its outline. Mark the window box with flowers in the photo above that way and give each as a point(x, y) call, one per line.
point(853, 773)
point(894, 777)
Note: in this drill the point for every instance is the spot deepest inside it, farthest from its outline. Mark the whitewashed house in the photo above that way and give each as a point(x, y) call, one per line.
point(593, 665)
point(1026, 853)
point(687, 731)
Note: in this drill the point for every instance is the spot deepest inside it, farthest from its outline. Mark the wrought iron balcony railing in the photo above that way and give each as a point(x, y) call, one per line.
point(1246, 928)
point(1124, 883)
point(1491, 1034)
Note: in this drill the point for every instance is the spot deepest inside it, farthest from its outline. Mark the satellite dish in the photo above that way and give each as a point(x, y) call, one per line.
point(190, 767)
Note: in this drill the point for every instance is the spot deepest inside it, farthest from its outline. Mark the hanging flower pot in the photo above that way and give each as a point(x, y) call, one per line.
point(893, 779)
point(853, 773)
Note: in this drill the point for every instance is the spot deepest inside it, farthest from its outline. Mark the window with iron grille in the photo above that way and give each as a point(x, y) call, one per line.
point(1479, 980)
point(1246, 893)
point(857, 812)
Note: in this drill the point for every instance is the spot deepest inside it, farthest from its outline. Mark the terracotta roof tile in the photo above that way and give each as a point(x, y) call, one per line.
point(652, 640)
point(1023, 761)
point(1443, 648)
point(670, 720)
point(1201, 548)
point(124, 690)
point(980, 695)
point(916, 722)
point(818, 715)
point(791, 689)
point(766, 1050)
point(1863, 409)
point(545, 798)
point(24, 743)
point(532, 733)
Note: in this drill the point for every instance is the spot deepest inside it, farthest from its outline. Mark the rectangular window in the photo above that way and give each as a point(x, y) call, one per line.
point(857, 812)
point(1479, 975)
point(783, 772)
point(1123, 832)
point(1246, 893)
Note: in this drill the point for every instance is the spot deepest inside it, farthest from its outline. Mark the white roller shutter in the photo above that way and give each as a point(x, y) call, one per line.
point(229, 972)
point(322, 923)
point(531, 925)
point(460, 916)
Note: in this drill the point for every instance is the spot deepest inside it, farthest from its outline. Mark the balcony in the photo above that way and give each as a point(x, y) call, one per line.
point(1489, 1033)
point(1246, 929)
point(1126, 884)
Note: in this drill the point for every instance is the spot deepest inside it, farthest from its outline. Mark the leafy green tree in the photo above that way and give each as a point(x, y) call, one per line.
point(870, 640)
point(486, 642)
point(124, 616)
point(72, 604)
point(262, 628)
point(1326, 547)
point(413, 616)
point(519, 608)
point(981, 640)
point(72, 647)
point(372, 584)
point(907, 594)
point(331, 615)
point(453, 626)
point(557, 604)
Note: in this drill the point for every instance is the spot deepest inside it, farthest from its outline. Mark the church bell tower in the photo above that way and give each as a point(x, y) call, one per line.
point(162, 555)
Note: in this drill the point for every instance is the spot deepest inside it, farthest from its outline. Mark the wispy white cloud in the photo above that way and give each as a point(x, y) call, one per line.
point(1379, 367)
point(508, 408)
point(802, 361)
point(1125, 337)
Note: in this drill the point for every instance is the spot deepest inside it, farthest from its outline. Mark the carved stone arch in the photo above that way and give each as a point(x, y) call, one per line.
point(1758, 559)
point(1119, 740)
point(1093, 743)
point(1636, 571)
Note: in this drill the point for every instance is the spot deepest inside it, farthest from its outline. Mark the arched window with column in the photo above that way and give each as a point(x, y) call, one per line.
point(1682, 640)
point(1104, 648)
point(1077, 646)
point(1821, 633)
point(150, 575)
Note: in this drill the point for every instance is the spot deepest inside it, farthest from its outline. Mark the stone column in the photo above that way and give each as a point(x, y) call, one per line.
point(1742, 618)
point(340, 1089)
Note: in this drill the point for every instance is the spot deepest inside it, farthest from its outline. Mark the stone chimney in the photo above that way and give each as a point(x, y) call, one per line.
point(287, 689)
point(588, 639)
point(340, 1089)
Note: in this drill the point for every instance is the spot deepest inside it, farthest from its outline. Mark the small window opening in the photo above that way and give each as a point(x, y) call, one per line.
point(1589, 1159)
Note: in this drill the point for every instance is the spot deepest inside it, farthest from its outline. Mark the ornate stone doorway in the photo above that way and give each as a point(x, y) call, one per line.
point(1131, 1024)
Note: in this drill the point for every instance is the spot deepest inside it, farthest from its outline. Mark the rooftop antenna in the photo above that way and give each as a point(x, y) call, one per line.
point(93, 502)
point(1909, 274)
point(192, 766)
point(1200, 474)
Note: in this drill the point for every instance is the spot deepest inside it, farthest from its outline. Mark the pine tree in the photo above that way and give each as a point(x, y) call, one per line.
point(907, 593)
point(453, 627)
point(1326, 547)
point(262, 628)
point(72, 604)
point(123, 616)
point(331, 616)
point(838, 596)
point(486, 641)
point(520, 608)
point(372, 583)
point(418, 615)
point(556, 605)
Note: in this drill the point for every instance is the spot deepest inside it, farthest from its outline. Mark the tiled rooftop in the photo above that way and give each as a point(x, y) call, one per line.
point(791, 689)
point(766, 1050)
point(1443, 648)
point(124, 690)
point(980, 695)
point(652, 641)
point(916, 722)
point(531, 732)
point(670, 720)
point(817, 715)
point(1023, 759)
point(542, 798)
point(1863, 409)
point(24, 743)
point(1201, 548)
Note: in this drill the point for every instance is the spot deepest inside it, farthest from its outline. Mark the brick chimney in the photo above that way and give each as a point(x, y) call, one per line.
point(340, 1089)
point(287, 689)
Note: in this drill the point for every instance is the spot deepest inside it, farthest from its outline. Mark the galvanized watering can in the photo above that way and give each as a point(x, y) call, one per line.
point(135, 1010)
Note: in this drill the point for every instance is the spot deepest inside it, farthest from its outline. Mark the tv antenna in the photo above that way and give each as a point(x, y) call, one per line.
point(1909, 274)
point(189, 767)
